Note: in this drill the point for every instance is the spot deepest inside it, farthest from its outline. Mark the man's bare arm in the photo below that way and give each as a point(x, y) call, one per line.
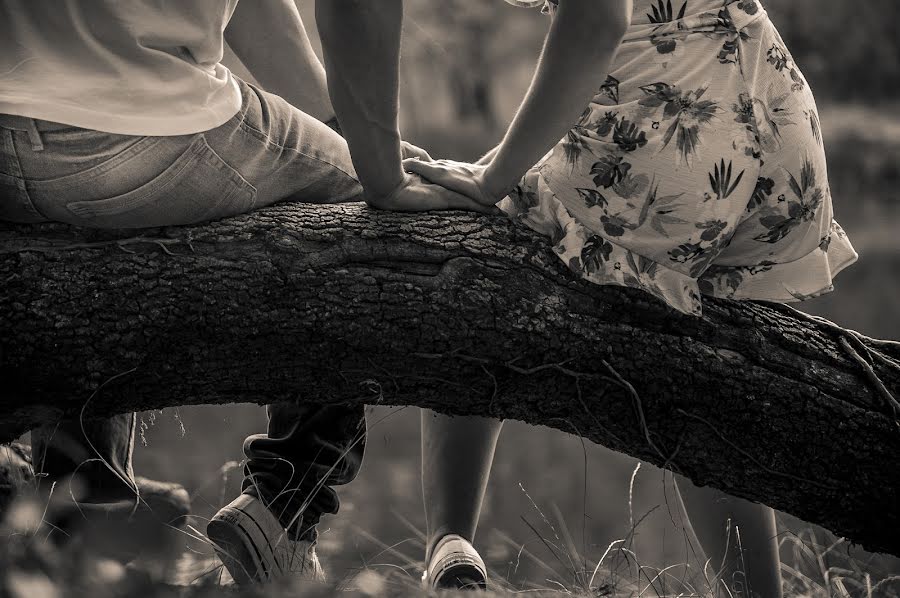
point(361, 45)
point(271, 41)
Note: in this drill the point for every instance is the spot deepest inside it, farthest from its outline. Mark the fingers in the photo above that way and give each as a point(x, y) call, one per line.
point(418, 195)
point(435, 172)
point(413, 151)
point(456, 176)
point(458, 201)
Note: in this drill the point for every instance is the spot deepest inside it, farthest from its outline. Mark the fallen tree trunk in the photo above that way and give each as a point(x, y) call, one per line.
point(458, 313)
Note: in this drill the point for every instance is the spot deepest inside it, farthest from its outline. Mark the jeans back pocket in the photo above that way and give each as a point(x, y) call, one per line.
point(198, 186)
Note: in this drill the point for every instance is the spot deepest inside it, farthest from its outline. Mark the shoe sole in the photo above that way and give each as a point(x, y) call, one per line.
point(242, 545)
point(455, 565)
point(463, 576)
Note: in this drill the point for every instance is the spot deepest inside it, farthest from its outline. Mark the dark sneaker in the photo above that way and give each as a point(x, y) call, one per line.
point(255, 548)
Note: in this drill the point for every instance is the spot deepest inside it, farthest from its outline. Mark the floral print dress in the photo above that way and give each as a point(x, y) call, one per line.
point(697, 168)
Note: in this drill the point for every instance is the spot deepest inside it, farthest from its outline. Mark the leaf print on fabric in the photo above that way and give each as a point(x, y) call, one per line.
point(658, 210)
point(584, 118)
point(711, 229)
point(659, 94)
point(668, 26)
point(523, 199)
point(807, 192)
point(609, 170)
point(610, 89)
point(614, 226)
point(720, 180)
point(778, 226)
point(663, 13)
point(592, 198)
point(771, 115)
point(724, 279)
point(686, 252)
point(730, 53)
point(761, 193)
point(573, 145)
point(663, 210)
point(595, 252)
point(816, 126)
point(777, 57)
point(748, 6)
point(745, 115)
point(628, 137)
point(743, 109)
point(797, 78)
point(733, 279)
point(642, 266)
point(688, 112)
point(606, 124)
point(759, 268)
point(699, 256)
point(663, 44)
point(631, 185)
point(809, 198)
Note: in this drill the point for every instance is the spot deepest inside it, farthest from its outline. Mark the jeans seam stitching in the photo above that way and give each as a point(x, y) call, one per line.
point(20, 175)
point(269, 143)
point(254, 190)
point(113, 163)
point(141, 196)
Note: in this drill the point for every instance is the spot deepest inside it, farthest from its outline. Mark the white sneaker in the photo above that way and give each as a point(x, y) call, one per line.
point(455, 564)
point(255, 548)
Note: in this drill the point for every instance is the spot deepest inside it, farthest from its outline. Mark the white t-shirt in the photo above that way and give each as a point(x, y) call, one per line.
point(135, 67)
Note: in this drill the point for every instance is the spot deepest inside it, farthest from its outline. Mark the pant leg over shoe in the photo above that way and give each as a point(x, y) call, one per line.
point(307, 451)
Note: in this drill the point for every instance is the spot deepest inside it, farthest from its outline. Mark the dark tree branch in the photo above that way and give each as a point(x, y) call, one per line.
point(462, 314)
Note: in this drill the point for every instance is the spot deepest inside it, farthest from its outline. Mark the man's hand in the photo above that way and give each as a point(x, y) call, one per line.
point(461, 177)
point(418, 195)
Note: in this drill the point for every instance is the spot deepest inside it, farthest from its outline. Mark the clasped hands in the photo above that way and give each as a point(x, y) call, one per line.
point(440, 185)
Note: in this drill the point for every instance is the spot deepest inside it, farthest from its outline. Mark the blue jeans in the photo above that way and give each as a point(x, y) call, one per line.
point(268, 152)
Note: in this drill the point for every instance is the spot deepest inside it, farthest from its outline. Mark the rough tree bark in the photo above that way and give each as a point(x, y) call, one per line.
point(462, 314)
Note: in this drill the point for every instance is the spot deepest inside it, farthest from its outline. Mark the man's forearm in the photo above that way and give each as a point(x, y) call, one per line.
point(361, 45)
point(271, 41)
point(486, 159)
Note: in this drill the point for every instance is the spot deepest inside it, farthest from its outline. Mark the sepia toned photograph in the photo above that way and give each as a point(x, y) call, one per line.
point(386, 298)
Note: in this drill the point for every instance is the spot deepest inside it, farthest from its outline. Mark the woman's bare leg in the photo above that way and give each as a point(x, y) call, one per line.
point(457, 453)
point(748, 555)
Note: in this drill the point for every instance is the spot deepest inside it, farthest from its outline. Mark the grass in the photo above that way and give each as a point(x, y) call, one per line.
point(182, 564)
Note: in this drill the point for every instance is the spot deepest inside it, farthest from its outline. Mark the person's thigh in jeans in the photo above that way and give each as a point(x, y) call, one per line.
point(268, 152)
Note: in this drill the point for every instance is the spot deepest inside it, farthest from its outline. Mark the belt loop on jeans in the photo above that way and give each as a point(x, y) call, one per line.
point(26, 124)
point(34, 136)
